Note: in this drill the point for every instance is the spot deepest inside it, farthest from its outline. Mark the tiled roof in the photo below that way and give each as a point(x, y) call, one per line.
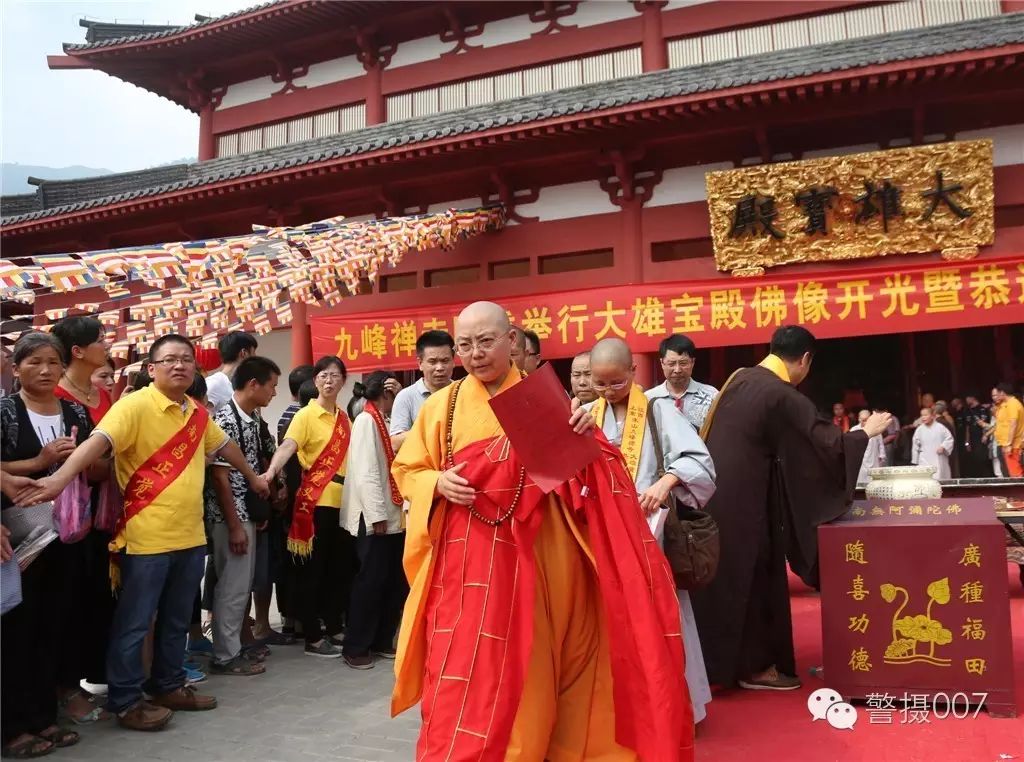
point(105, 41)
point(100, 31)
point(22, 203)
point(976, 34)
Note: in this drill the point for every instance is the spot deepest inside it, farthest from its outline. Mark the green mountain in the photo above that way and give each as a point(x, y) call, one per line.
point(15, 176)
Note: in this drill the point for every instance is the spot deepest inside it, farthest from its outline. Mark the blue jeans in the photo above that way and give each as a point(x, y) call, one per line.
point(162, 585)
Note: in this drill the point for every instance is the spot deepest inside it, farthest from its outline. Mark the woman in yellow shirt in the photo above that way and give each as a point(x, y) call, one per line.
point(322, 552)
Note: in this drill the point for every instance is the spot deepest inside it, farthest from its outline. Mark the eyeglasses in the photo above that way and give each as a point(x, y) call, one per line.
point(485, 344)
point(617, 387)
point(330, 376)
point(170, 362)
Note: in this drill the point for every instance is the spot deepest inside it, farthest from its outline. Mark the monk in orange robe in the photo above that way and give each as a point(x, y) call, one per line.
point(538, 627)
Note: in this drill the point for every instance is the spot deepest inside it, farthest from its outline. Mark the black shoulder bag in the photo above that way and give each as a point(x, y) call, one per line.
point(691, 535)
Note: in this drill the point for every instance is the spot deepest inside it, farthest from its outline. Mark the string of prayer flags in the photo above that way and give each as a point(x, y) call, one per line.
point(110, 262)
point(261, 324)
point(115, 290)
point(66, 273)
point(110, 319)
point(12, 276)
point(223, 282)
point(135, 331)
point(283, 313)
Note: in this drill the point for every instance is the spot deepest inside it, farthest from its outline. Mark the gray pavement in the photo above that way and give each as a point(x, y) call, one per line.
point(302, 709)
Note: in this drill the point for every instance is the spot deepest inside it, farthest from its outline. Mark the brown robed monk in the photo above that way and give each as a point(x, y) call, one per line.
point(782, 471)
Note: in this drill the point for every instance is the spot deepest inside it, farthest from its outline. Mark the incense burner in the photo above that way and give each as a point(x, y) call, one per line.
point(902, 483)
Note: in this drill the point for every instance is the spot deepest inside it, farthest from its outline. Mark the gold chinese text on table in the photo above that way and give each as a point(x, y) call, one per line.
point(936, 197)
point(914, 597)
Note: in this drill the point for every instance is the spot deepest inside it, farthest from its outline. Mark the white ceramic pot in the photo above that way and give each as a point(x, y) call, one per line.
point(902, 483)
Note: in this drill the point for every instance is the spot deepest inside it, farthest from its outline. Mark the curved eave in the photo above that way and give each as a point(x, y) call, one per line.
point(704, 105)
point(153, 60)
point(185, 34)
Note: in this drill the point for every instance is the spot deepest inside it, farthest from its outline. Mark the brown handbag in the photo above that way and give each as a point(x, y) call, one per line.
point(691, 540)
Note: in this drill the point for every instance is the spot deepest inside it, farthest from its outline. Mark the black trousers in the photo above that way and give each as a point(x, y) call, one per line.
point(280, 571)
point(321, 582)
point(378, 593)
point(30, 643)
point(99, 607)
point(73, 613)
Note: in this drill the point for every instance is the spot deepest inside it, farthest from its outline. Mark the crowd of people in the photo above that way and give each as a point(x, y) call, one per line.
point(961, 439)
point(178, 499)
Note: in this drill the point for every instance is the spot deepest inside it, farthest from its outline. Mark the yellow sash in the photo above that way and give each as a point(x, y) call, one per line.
point(633, 428)
point(773, 363)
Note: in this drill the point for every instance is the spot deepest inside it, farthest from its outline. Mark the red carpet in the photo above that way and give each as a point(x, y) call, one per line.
point(750, 726)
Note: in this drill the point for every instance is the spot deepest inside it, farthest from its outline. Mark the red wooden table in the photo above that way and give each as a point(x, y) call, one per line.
point(915, 602)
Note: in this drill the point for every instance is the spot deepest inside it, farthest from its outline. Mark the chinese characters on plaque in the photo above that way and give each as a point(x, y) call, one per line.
point(933, 617)
point(936, 197)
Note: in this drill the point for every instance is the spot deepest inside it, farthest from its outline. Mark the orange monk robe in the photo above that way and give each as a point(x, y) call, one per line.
point(509, 631)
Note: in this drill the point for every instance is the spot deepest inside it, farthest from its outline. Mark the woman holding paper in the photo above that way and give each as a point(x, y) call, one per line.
point(39, 432)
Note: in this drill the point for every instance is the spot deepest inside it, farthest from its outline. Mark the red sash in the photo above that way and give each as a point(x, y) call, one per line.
point(314, 482)
point(389, 451)
point(150, 479)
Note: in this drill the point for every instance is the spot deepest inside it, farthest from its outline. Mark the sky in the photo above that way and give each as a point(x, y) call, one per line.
point(63, 118)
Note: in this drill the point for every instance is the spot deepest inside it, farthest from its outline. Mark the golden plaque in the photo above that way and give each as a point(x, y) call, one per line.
point(915, 200)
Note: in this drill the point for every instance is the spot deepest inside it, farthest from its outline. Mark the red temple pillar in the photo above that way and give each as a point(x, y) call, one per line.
point(302, 337)
point(207, 143)
point(631, 212)
point(376, 111)
point(653, 49)
point(646, 375)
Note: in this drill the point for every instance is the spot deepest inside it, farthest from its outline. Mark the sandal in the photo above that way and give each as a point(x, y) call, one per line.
point(239, 666)
point(30, 748)
point(60, 737)
point(256, 651)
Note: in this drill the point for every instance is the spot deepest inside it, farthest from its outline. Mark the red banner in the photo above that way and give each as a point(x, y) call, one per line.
point(713, 313)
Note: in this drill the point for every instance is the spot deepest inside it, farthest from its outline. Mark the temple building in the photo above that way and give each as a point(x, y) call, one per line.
point(596, 125)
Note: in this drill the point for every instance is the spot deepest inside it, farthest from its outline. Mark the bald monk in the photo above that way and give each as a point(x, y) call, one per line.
point(579, 378)
point(538, 627)
point(625, 413)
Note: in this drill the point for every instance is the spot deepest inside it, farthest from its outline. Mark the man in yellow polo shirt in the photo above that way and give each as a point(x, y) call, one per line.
point(1009, 430)
point(163, 543)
